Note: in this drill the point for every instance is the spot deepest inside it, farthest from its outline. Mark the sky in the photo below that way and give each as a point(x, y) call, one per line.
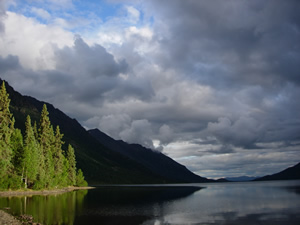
point(215, 85)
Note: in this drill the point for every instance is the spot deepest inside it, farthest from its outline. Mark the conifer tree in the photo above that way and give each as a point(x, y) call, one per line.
point(37, 160)
point(46, 137)
point(72, 166)
point(31, 156)
point(35, 131)
point(6, 130)
point(17, 150)
point(58, 157)
point(17, 159)
point(80, 182)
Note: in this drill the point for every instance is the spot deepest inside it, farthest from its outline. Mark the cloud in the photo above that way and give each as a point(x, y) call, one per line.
point(133, 14)
point(41, 13)
point(139, 132)
point(233, 42)
point(95, 60)
point(2, 15)
point(244, 132)
point(9, 63)
point(165, 134)
point(213, 83)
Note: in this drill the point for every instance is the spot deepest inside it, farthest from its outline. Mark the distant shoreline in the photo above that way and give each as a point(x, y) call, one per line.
point(41, 192)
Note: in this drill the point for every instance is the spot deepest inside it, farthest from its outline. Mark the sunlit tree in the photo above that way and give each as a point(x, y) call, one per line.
point(6, 130)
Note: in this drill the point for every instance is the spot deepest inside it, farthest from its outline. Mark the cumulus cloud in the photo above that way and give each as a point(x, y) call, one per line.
point(94, 61)
point(139, 131)
point(243, 132)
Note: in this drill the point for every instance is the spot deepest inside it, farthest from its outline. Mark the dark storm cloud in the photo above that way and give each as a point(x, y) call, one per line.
point(230, 42)
point(248, 52)
point(89, 61)
point(9, 63)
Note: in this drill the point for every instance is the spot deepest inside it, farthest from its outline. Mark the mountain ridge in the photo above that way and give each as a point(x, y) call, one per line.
point(291, 173)
point(99, 164)
point(156, 161)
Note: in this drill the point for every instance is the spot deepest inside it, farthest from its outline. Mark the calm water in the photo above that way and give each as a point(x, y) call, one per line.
point(276, 202)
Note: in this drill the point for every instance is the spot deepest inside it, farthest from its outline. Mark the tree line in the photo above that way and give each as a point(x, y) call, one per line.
point(35, 160)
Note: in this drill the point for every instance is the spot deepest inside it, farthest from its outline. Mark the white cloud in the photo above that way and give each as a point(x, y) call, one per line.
point(133, 14)
point(32, 42)
point(41, 13)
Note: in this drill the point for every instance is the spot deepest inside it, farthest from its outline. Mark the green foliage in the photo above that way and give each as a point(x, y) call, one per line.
point(17, 150)
point(30, 156)
point(6, 130)
point(37, 161)
point(80, 182)
point(72, 166)
point(59, 170)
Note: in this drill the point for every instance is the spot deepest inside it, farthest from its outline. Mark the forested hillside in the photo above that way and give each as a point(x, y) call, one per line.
point(36, 159)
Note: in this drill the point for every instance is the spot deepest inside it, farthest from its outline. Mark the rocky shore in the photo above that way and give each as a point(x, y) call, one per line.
point(7, 219)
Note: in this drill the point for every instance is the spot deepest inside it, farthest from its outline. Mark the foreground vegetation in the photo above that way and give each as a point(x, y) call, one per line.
point(36, 159)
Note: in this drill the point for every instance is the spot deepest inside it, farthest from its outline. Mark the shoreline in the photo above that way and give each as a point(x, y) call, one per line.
point(41, 192)
point(6, 218)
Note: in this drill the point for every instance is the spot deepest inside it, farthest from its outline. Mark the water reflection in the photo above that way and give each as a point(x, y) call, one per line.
point(131, 205)
point(222, 203)
point(238, 203)
point(51, 209)
point(227, 203)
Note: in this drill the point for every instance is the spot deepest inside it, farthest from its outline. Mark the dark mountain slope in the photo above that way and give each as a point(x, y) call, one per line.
point(157, 162)
point(291, 173)
point(99, 164)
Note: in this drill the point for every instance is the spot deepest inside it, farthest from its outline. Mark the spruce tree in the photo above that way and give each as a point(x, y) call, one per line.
point(17, 150)
point(80, 182)
point(58, 157)
point(46, 137)
point(72, 166)
point(17, 159)
point(6, 130)
point(31, 156)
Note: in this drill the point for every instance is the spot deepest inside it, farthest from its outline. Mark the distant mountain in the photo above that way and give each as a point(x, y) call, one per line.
point(222, 180)
point(100, 165)
point(156, 162)
point(241, 178)
point(291, 173)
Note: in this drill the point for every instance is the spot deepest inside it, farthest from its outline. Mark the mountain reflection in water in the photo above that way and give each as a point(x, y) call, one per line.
point(131, 204)
point(271, 202)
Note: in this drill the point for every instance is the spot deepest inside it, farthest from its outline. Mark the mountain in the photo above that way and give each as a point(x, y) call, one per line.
point(100, 164)
point(156, 162)
point(291, 173)
point(241, 178)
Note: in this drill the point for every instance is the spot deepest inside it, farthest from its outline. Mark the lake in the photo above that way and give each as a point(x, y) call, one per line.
point(272, 202)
